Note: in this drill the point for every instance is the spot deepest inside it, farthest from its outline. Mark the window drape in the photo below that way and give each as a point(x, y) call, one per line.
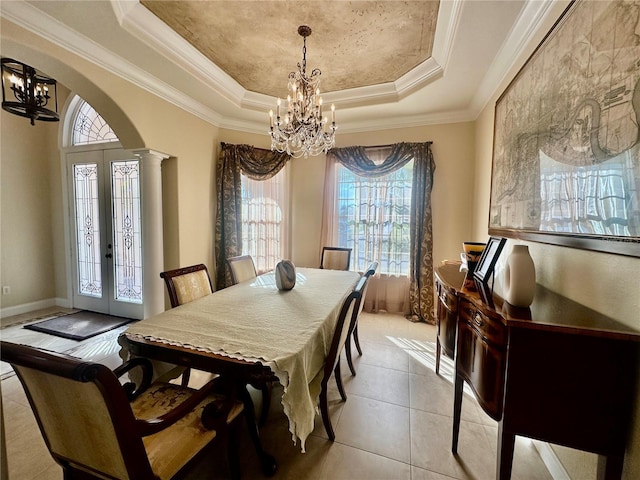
point(255, 163)
point(389, 293)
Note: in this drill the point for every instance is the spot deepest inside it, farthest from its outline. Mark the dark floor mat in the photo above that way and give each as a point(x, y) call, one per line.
point(79, 326)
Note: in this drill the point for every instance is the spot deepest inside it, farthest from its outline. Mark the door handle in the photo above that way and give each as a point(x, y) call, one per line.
point(108, 255)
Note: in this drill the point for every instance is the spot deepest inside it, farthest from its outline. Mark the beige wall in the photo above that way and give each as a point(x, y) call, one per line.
point(26, 237)
point(606, 283)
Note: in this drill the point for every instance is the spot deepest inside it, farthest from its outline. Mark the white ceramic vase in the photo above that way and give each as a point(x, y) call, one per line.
point(519, 277)
point(285, 275)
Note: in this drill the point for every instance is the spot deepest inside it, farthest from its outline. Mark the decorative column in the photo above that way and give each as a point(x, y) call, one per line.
point(152, 234)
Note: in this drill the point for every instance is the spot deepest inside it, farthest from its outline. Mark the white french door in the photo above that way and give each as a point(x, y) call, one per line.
point(106, 233)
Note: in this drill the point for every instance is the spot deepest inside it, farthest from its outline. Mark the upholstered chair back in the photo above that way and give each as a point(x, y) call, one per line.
point(242, 268)
point(192, 286)
point(187, 284)
point(335, 258)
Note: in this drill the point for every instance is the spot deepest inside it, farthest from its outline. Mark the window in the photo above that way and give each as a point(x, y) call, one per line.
point(265, 210)
point(373, 218)
point(89, 127)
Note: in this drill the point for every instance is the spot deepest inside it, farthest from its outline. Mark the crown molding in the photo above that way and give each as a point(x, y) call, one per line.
point(369, 125)
point(39, 23)
point(529, 22)
point(144, 25)
point(141, 23)
point(449, 15)
point(153, 32)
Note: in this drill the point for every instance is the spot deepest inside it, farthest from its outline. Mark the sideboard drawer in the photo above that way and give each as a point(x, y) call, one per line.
point(491, 329)
point(447, 318)
point(449, 300)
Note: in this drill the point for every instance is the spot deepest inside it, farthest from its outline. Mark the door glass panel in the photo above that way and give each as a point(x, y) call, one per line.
point(85, 179)
point(125, 188)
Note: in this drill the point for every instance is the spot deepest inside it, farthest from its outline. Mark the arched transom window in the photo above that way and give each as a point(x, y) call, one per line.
point(89, 127)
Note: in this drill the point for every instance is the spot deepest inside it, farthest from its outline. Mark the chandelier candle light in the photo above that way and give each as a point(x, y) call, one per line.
point(28, 93)
point(303, 131)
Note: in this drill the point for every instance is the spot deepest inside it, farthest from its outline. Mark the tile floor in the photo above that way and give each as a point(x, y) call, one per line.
point(395, 424)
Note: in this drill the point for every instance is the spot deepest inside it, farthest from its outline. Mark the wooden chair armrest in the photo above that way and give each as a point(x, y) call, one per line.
point(147, 373)
point(154, 425)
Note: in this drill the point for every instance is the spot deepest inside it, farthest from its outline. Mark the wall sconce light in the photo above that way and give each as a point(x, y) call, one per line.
point(27, 93)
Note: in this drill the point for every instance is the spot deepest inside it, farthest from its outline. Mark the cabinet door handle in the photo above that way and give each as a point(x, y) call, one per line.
point(477, 319)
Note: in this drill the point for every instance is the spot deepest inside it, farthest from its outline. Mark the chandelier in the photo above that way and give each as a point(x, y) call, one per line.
point(303, 131)
point(27, 93)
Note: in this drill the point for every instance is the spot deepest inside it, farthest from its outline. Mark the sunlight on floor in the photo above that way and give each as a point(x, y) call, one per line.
point(425, 354)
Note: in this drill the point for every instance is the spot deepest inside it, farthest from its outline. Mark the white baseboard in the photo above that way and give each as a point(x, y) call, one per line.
point(30, 307)
point(551, 460)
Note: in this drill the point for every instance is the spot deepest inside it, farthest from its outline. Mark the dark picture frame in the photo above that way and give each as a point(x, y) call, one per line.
point(488, 260)
point(566, 140)
point(486, 293)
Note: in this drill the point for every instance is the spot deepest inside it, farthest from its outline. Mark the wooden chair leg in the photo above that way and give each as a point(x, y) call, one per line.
point(347, 351)
point(186, 374)
point(356, 339)
point(339, 381)
point(324, 409)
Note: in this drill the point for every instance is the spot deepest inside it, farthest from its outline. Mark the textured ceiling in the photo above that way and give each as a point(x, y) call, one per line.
point(354, 44)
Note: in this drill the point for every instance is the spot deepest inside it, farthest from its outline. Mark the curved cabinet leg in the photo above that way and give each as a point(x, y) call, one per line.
point(610, 466)
point(506, 444)
point(457, 409)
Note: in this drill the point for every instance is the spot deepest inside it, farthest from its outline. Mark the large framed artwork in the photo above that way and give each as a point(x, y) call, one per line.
point(566, 153)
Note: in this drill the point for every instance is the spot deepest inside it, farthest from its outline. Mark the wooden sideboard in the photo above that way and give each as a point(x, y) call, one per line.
point(556, 371)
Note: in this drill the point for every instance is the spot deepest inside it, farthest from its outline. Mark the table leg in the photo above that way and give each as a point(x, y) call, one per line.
point(506, 444)
point(268, 462)
point(457, 409)
point(610, 467)
point(438, 356)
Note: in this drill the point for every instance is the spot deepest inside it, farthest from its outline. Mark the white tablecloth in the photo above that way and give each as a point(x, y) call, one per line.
point(289, 331)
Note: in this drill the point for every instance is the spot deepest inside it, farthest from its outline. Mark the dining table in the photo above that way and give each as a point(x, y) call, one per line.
point(252, 332)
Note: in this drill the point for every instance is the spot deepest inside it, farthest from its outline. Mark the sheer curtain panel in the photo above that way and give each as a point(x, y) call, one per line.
point(234, 160)
point(377, 201)
point(265, 210)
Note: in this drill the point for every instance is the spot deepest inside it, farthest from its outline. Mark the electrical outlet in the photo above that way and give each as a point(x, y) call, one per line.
point(6, 290)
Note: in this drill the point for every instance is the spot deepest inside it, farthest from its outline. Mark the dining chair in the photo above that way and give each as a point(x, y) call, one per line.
point(96, 427)
point(242, 268)
point(371, 270)
point(335, 258)
point(332, 362)
point(185, 285)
